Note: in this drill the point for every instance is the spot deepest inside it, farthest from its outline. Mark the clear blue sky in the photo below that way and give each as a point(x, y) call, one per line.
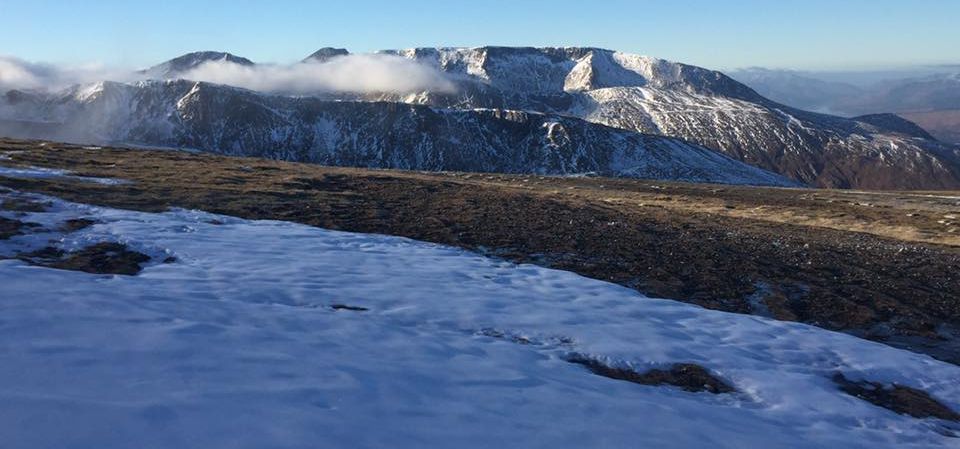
point(808, 34)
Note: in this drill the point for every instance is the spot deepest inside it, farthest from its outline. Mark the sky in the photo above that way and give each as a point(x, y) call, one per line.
point(718, 34)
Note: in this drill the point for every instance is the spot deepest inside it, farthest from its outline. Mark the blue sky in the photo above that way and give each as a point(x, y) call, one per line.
point(810, 34)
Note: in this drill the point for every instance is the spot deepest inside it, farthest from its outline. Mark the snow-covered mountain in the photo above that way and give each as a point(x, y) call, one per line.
point(176, 67)
point(558, 85)
point(370, 134)
point(655, 96)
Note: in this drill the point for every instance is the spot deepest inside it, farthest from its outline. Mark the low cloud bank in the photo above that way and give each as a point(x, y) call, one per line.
point(353, 73)
point(371, 73)
point(16, 73)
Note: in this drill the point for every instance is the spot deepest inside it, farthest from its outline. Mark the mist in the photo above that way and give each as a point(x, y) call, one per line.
point(371, 73)
point(16, 73)
point(353, 73)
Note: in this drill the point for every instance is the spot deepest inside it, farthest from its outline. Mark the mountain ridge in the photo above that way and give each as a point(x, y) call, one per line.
point(635, 93)
point(698, 105)
point(236, 121)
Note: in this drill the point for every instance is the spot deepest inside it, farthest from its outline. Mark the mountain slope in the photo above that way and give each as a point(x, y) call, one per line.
point(368, 134)
point(655, 96)
point(895, 123)
point(325, 54)
point(176, 67)
point(944, 125)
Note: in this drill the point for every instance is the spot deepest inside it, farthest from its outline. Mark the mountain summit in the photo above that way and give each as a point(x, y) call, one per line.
point(176, 67)
point(326, 53)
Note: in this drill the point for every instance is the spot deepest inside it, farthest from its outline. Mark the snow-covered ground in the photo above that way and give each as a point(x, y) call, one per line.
point(47, 173)
point(236, 345)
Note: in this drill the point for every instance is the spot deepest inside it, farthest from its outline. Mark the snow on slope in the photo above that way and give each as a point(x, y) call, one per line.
point(240, 122)
point(651, 95)
point(236, 345)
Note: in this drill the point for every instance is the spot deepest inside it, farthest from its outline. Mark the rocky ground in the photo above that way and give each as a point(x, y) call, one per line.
point(882, 265)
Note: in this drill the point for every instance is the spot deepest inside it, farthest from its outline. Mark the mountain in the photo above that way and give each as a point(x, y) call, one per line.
point(897, 92)
point(944, 125)
point(235, 121)
point(796, 89)
point(325, 54)
point(929, 93)
point(932, 101)
point(176, 67)
point(655, 96)
point(896, 124)
point(634, 93)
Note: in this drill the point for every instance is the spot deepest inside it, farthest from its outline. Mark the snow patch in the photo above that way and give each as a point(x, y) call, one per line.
point(50, 173)
point(239, 344)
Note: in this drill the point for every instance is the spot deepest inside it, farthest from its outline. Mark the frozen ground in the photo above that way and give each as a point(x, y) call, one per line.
point(44, 173)
point(237, 345)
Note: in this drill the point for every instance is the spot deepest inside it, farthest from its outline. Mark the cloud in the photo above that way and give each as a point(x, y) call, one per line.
point(372, 73)
point(19, 74)
point(354, 73)
point(16, 73)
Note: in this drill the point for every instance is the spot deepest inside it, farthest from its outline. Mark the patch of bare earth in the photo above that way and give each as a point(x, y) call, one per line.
point(23, 205)
point(10, 228)
point(76, 224)
point(881, 265)
point(349, 308)
point(100, 258)
point(686, 376)
point(898, 398)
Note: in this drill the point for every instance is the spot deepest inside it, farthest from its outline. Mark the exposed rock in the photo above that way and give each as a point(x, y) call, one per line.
point(76, 224)
point(349, 308)
point(898, 398)
point(101, 258)
point(23, 205)
point(687, 376)
point(10, 228)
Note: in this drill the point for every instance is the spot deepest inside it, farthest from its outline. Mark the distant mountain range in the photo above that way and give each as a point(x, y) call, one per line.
point(799, 89)
point(536, 110)
point(932, 100)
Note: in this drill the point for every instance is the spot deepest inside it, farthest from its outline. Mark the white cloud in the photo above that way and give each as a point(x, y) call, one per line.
point(353, 73)
point(370, 73)
point(16, 73)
